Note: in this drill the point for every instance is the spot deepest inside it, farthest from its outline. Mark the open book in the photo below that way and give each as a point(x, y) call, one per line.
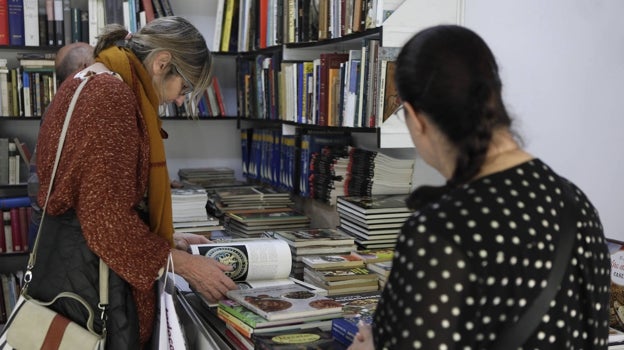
point(255, 263)
point(261, 268)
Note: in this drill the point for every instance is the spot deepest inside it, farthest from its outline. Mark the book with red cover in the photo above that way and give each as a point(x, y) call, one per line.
point(23, 227)
point(3, 247)
point(217, 91)
point(4, 22)
point(328, 61)
point(148, 7)
point(15, 230)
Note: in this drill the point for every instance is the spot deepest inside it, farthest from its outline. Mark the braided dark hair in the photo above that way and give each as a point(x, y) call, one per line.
point(449, 73)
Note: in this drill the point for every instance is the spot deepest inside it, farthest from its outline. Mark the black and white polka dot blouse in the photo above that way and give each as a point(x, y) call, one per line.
point(466, 267)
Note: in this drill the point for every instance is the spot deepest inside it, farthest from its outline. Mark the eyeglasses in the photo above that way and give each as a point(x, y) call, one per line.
point(188, 86)
point(399, 111)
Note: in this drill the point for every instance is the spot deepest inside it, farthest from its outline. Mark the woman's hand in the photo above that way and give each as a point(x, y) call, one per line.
point(363, 339)
point(205, 275)
point(183, 240)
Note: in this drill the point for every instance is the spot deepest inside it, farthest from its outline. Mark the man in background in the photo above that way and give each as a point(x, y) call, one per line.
point(69, 59)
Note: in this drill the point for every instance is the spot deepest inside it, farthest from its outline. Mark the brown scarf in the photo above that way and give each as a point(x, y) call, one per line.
point(126, 64)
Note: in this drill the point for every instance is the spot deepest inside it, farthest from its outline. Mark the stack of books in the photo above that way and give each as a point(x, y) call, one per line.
point(312, 242)
point(235, 198)
point(356, 307)
point(371, 173)
point(339, 274)
point(373, 221)
point(208, 177)
point(189, 210)
point(378, 261)
point(253, 223)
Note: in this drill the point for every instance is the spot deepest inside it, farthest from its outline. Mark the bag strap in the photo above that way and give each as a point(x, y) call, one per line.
point(514, 336)
point(103, 280)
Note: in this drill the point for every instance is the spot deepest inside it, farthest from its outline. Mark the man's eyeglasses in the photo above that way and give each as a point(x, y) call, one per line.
point(188, 86)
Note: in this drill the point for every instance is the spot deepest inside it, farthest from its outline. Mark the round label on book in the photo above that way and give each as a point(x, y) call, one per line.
point(300, 338)
point(231, 256)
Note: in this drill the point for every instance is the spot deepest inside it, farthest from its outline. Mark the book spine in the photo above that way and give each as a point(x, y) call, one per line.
point(148, 7)
point(158, 10)
point(217, 91)
point(4, 93)
point(4, 22)
point(67, 19)
point(14, 164)
point(8, 235)
point(76, 28)
point(16, 22)
point(4, 164)
point(2, 239)
point(166, 5)
point(227, 25)
point(237, 324)
point(50, 33)
point(14, 202)
point(15, 229)
point(31, 23)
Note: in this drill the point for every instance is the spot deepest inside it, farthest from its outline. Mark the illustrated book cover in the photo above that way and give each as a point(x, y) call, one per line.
point(285, 302)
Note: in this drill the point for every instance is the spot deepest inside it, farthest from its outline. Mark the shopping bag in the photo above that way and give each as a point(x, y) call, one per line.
point(168, 332)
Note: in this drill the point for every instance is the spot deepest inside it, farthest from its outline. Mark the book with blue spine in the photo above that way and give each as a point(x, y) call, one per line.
point(16, 22)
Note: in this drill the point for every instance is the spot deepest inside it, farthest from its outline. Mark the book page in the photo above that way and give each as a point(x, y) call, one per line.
point(262, 259)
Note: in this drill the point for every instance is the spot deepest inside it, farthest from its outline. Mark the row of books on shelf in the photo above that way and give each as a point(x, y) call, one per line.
point(355, 88)
point(14, 229)
point(11, 284)
point(14, 160)
point(245, 25)
point(321, 166)
point(211, 104)
point(28, 89)
point(272, 302)
point(59, 22)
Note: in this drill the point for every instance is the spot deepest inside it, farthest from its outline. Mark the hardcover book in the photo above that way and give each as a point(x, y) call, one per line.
point(374, 255)
point(357, 307)
point(332, 261)
point(312, 237)
point(255, 263)
point(375, 204)
point(259, 324)
point(285, 302)
point(314, 338)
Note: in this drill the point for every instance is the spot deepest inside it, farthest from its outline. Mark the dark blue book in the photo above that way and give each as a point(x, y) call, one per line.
point(16, 22)
point(14, 202)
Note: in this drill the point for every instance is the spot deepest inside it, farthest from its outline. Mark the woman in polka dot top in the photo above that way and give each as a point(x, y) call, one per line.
point(479, 250)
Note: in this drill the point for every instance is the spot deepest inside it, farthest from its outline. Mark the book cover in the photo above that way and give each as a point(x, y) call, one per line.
point(263, 217)
point(262, 259)
point(259, 324)
point(374, 255)
point(340, 274)
point(381, 267)
point(356, 307)
point(314, 338)
point(312, 237)
point(285, 302)
point(332, 261)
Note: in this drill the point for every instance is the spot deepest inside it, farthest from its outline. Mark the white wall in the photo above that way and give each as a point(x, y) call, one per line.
point(562, 65)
